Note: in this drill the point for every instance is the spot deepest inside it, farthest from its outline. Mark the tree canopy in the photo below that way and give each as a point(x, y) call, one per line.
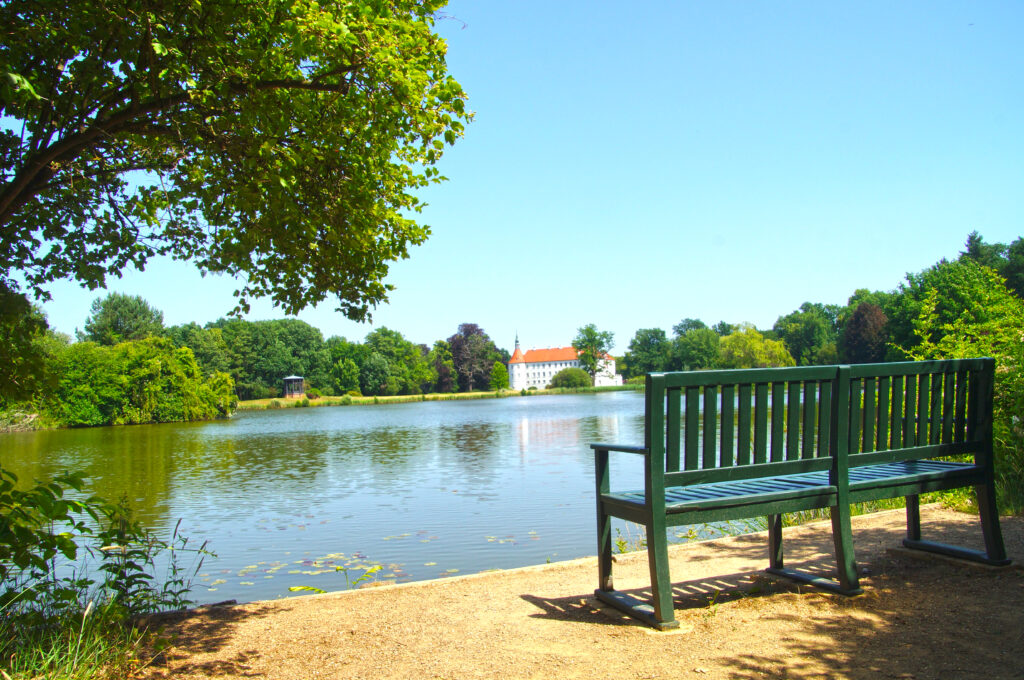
point(473, 356)
point(810, 333)
point(747, 348)
point(694, 349)
point(118, 318)
point(648, 351)
point(278, 142)
point(22, 350)
point(591, 346)
point(499, 376)
point(571, 377)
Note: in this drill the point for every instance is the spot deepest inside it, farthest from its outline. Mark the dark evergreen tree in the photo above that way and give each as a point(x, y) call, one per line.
point(865, 335)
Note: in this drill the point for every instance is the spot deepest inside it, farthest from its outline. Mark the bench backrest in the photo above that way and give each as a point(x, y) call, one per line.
point(709, 426)
point(920, 409)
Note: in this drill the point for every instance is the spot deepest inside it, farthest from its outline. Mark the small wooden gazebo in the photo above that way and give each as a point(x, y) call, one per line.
point(294, 387)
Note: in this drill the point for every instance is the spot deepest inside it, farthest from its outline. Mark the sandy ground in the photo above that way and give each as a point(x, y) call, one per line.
point(919, 618)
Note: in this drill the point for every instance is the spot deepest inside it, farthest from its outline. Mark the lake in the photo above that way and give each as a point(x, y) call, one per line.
point(316, 496)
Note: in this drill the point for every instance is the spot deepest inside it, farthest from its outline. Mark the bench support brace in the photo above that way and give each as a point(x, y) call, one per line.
point(638, 609)
point(994, 553)
point(841, 534)
point(816, 581)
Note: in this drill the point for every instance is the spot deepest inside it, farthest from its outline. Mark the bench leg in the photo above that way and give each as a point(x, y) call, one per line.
point(661, 584)
point(994, 548)
point(662, 614)
point(775, 560)
point(842, 536)
point(995, 551)
point(914, 517)
point(604, 550)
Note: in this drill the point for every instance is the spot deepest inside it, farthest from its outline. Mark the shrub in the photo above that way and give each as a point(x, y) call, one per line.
point(274, 403)
point(45, 624)
point(313, 393)
point(571, 378)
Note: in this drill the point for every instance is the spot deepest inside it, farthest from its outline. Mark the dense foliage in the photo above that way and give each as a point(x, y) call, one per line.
point(499, 377)
point(968, 307)
point(473, 356)
point(571, 377)
point(117, 318)
point(22, 348)
point(144, 381)
point(591, 347)
point(997, 332)
point(58, 618)
point(278, 142)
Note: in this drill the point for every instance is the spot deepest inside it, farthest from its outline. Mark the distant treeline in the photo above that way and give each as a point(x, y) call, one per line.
point(258, 354)
point(873, 326)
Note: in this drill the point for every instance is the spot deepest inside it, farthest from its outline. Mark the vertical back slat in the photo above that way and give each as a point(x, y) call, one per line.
point(778, 419)
point(948, 395)
point(935, 429)
point(856, 413)
point(870, 415)
point(710, 426)
point(793, 422)
point(972, 407)
point(897, 412)
point(923, 392)
point(810, 407)
point(882, 436)
point(761, 409)
point(960, 415)
point(825, 419)
point(743, 435)
point(692, 428)
point(910, 412)
point(673, 423)
point(727, 457)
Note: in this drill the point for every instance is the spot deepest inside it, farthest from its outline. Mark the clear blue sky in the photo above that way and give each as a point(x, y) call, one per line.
point(632, 164)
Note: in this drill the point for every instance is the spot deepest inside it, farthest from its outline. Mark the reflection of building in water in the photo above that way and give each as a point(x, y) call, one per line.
point(536, 367)
point(547, 436)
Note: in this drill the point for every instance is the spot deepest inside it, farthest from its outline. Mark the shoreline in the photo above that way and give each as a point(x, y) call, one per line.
point(349, 400)
point(915, 618)
point(36, 422)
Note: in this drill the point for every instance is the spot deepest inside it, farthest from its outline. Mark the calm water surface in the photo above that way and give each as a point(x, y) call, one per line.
point(426, 490)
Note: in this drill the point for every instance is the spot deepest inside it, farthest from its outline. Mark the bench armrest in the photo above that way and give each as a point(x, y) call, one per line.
point(642, 450)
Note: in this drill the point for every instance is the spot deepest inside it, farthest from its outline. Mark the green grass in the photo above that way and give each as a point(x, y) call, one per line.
point(97, 642)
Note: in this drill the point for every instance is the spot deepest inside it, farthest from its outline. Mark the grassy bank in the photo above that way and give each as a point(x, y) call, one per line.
point(348, 400)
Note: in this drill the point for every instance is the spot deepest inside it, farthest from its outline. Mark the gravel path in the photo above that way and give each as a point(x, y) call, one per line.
point(919, 618)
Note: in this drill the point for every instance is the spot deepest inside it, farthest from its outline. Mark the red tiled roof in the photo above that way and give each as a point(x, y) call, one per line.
point(536, 356)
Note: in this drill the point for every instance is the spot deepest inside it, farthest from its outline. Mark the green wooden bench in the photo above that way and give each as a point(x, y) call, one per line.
point(727, 445)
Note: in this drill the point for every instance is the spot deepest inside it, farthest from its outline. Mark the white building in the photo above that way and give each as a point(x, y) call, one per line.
point(536, 367)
